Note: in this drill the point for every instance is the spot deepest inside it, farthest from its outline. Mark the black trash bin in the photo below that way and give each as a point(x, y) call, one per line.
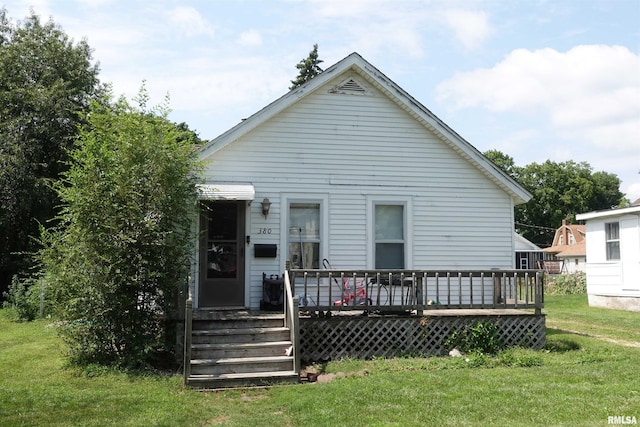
point(272, 293)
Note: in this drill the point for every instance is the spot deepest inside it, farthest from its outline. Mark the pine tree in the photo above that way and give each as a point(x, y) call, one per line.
point(309, 68)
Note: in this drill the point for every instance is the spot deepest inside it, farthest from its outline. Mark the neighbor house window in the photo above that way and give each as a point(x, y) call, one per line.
point(389, 236)
point(304, 235)
point(612, 237)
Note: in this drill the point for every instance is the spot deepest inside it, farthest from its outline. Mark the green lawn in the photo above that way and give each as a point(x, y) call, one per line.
point(571, 313)
point(578, 380)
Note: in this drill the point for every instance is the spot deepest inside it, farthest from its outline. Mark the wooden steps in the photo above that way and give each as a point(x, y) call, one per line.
point(239, 349)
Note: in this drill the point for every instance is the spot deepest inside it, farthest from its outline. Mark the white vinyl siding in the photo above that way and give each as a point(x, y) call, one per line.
point(345, 152)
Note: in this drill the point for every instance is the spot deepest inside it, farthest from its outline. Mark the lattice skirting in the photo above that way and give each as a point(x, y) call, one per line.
point(366, 337)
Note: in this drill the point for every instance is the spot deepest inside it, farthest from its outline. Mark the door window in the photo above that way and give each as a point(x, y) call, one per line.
point(222, 240)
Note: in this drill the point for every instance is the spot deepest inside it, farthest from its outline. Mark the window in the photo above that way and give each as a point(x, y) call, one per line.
point(612, 237)
point(389, 236)
point(304, 235)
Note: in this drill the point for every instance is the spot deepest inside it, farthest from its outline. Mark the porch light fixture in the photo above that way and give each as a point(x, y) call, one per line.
point(266, 204)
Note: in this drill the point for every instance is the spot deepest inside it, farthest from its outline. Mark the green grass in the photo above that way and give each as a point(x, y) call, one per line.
point(578, 380)
point(572, 313)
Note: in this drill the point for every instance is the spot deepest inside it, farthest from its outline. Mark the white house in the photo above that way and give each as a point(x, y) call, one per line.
point(351, 168)
point(613, 257)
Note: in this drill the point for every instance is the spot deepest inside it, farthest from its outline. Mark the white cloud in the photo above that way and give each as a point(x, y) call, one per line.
point(209, 84)
point(190, 21)
point(632, 191)
point(23, 8)
point(591, 92)
point(470, 28)
point(370, 27)
point(250, 38)
point(341, 8)
point(94, 3)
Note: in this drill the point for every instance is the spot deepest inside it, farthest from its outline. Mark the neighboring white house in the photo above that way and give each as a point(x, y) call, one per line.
point(351, 168)
point(613, 257)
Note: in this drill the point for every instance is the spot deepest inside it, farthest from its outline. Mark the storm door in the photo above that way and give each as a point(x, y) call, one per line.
point(222, 254)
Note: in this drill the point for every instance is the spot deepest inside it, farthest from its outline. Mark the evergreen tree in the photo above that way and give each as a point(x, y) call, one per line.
point(309, 68)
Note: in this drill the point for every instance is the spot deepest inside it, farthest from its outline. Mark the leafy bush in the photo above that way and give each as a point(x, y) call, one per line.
point(481, 337)
point(23, 299)
point(567, 284)
point(118, 262)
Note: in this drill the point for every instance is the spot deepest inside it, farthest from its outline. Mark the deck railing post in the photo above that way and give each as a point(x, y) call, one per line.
point(292, 318)
point(539, 292)
point(296, 336)
point(188, 318)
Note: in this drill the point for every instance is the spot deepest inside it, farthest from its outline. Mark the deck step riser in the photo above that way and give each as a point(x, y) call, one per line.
point(213, 383)
point(218, 369)
point(212, 337)
point(217, 353)
point(237, 323)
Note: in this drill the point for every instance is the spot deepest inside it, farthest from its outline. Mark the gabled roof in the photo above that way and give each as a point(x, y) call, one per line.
point(564, 249)
point(354, 63)
point(524, 245)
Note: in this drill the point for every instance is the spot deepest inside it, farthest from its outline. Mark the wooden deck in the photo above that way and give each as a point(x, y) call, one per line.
point(329, 315)
point(365, 313)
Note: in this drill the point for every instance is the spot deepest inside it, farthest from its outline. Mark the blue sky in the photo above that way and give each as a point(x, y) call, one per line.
point(538, 80)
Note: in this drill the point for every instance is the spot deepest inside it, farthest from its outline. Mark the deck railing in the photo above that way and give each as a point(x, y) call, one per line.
point(381, 291)
point(291, 319)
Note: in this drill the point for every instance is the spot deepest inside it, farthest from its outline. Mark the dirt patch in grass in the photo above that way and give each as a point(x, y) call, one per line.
point(311, 374)
point(602, 338)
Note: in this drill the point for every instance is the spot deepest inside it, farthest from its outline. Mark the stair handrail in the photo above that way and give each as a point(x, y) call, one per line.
point(188, 319)
point(292, 320)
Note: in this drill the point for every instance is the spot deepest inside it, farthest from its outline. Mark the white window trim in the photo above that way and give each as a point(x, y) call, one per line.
point(286, 199)
point(607, 241)
point(405, 201)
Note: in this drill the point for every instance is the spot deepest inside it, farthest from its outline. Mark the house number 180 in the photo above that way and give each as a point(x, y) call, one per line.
point(264, 231)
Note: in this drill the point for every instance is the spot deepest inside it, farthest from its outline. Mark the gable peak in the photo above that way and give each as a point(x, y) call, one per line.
point(350, 86)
